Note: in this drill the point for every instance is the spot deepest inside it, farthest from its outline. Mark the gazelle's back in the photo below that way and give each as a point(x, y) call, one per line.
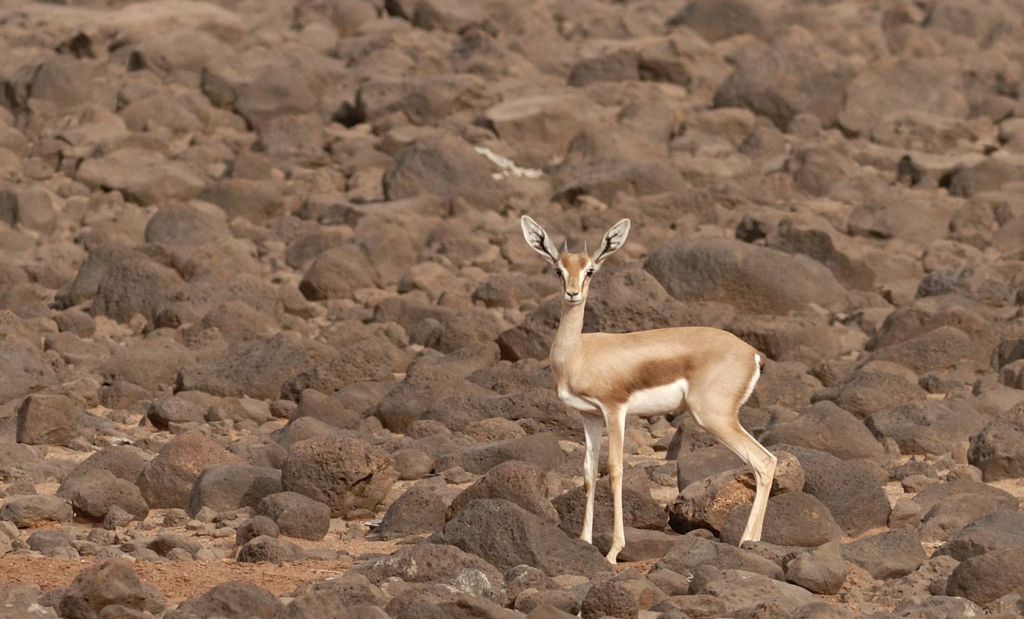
point(618, 365)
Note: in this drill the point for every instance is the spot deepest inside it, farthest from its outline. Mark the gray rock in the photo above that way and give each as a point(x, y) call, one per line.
point(506, 535)
point(849, 489)
point(428, 166)
point(541, 450)
point(1002, 528)
point(268, 549)
point(144, 176)
point(254, 527)
point(97, 491)
point(106, 584)
point(610, 599)
point(123, 461)
point(48, 420)
point(416, 511)
point(819, 571)
point(226, 487)
point(296, 515)
point(345, 592)
point(27, 511)
point(865, 393)
point(946, 605)
point(519, 482)
point(745, 276)
point(412, 464)
point(927, 427)
point(234, 600)
point(693, 551)
point(343, 473)
point(641, 544)
point(740, 590)
point(45, 541)
point(436, 563)
point(826, 427)
point(167, 479)
point(938, 493)
point(162, 413)
point(987, 577)
point(256, 368)
point(887, 555)
point(791, 519)
point(22, 369)
point(928, 579)
point(997, 451)
point(952, 514)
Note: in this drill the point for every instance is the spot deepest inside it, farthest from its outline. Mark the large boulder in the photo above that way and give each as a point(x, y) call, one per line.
point(694, 551)
point(296, 515)
point(417, 511)
point(445, 166)
point(123, 461)
point(48, 420)
point(234, 600)
point(748, 277)
point(791, 519)
point(998, 450)
point(167, 479)
point(1003, 528)
point(519, 482)
point(107, 584)
point(506, 535)
point(988, 577)
point(257, 369)
point(436, 563)
point(850, 489)
point(792, 75)
point(22, 370)
point(28, 511)
point(826, 427)
point(541, 450)
point(892, 87)
point(94, 493)
point(343, 473)
point(143, 176)
point(927, 427)
point(887, 555)
point(226, 487)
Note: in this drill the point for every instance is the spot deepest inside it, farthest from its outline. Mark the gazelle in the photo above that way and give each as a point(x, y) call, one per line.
point(608, 376)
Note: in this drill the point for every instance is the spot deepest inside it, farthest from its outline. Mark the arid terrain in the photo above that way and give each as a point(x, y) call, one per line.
point(272, 344)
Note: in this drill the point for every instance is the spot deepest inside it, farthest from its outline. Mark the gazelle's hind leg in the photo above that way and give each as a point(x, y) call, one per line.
point(592, 426)
point(718, 413)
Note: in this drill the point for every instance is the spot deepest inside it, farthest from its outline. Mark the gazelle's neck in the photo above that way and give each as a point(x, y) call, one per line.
point(566, 346)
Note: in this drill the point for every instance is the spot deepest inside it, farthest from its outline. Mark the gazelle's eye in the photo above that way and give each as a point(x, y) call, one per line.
point(558, 272)
point(590, 272)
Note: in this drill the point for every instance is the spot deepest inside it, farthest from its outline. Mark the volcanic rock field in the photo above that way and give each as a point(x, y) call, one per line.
point(272, 345)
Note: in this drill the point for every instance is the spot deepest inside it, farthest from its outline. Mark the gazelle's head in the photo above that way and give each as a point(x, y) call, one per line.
point(574, 270)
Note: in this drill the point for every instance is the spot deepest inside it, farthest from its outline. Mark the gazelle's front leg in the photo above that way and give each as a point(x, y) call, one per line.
point(616, 421)
point(592, 426)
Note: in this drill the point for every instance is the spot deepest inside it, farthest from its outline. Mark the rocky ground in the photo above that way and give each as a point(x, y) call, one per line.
point(272, 344)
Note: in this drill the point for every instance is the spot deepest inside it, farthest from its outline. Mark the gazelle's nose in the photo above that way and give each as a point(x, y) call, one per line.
point(571, 295)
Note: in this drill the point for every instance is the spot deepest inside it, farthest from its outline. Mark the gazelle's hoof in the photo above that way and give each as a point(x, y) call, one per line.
point(612, 556)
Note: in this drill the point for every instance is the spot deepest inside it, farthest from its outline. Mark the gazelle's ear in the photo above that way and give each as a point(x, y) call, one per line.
point(612, 241)
point(539, 240)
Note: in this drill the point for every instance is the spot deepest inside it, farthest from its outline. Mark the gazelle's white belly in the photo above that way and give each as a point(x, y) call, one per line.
point(659, 400)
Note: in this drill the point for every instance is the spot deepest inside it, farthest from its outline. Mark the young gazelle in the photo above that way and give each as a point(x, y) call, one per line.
point(608, 376)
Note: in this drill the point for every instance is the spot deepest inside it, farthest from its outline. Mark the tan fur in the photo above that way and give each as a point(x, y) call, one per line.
point(710, 371)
